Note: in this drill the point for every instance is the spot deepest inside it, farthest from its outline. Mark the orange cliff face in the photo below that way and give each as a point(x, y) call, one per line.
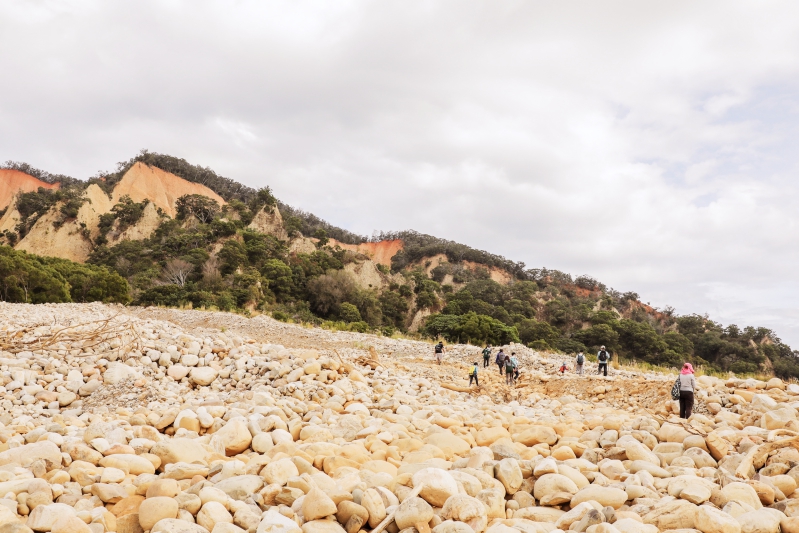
point(380, 252)
point(143, 182)
point(14, 181)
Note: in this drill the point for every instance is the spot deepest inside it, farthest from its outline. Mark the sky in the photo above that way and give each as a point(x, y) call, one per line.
point(650, 145)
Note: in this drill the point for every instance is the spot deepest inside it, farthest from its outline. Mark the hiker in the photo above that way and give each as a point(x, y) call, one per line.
point(500, 360)
point(515, 366)
point(578, 368)
point(486, 355)
point(687, 387)
point(563, 368)
point(508, 370)
point(603, 357)
point(439, 352)
point(473, 375)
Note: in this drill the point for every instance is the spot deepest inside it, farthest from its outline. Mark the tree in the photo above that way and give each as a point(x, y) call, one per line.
point(394, 307)
point(470, 327)
point(279, 278)
point(599, 335)
point(177, 271)
point(201, 207)
point(349, 313)
point(233, 255)
point(328, 291)
point(532, 330)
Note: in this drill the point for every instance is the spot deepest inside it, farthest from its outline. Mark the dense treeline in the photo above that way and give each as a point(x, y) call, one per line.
point(581, 316)
point(28, 278)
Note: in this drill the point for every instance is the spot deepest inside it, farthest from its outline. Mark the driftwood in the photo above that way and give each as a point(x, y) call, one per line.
point(89, 335)
point(756, 453)
point(390, 518)
point(456, 388)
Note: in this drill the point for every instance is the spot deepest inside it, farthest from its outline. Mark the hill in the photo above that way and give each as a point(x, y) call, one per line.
point(180, 235)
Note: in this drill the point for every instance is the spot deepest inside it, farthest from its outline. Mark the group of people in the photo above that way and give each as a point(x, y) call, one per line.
point(602, 358)
point(509, 364)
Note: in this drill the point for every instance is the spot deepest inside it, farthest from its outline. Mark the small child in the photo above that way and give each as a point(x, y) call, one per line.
point(563, 368)
point(473, 375)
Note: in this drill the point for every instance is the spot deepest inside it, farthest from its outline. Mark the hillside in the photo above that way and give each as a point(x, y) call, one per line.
point(183, 236)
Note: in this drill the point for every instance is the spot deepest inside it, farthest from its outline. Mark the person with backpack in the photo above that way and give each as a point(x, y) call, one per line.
point(509, 370)
point(486, 355)
point(578, 368)
point(500, 360)
point(687, 388)
point(515, 366)
point(473, 375)
point(603, 357)
point(439, 352)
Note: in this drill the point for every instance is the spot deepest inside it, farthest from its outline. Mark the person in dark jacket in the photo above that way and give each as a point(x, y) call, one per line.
point(687, 388)
point(602, 358)
point(500, 360)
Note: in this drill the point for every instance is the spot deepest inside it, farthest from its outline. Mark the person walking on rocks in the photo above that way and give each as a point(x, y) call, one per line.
point(687, 387)
point(508, 370)
point(486, 355)
point(473, 375)
point(578, 367)
point(439, 352)
point(603, 357)
point(500, 360)
point(515, 366)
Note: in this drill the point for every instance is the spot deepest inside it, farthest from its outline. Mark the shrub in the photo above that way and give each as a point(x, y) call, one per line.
point(349, 313)
point(281, 316)
point(540, 345)
point(328, 291)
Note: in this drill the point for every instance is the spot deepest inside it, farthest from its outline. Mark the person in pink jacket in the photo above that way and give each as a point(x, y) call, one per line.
point(687, 387)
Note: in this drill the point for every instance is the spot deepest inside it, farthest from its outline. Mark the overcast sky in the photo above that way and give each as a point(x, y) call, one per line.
point(651, 145)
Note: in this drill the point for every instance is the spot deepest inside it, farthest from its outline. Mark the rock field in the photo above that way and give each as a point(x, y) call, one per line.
point(134, 420)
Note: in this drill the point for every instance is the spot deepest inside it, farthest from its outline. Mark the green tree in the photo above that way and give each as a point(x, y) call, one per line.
point(199, 206)
point(394, 307)
point(349, 313)
point(599, 335)
point(640, 340)
point(233, 255)
point(328, 291)
point(532, 330)
point(279, 278)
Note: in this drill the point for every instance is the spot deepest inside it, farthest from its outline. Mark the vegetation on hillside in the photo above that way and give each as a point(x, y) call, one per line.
point(207, 257)
point(39, 174)
point(29, 278)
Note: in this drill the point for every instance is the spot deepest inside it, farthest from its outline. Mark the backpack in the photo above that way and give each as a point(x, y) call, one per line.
point(580, 359)
point(486, 352)
point(439, 348)
point(675, 389)
point(473, 371)
point(500, 357)
point(603, 356)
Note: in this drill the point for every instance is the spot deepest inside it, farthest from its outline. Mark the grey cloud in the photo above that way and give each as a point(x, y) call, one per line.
point(648, 145)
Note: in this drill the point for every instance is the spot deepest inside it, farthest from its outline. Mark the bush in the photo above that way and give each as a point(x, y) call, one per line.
point(569, 346)
point(327, 292)
point(349, 313)
point(281, 316)
point(540, 345)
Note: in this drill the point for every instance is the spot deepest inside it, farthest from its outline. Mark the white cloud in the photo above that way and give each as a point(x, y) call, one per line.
point(648, 145)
